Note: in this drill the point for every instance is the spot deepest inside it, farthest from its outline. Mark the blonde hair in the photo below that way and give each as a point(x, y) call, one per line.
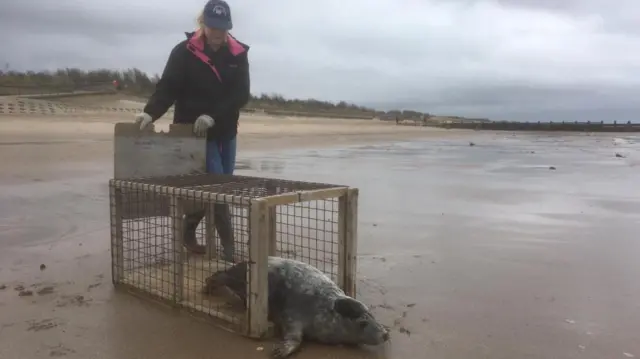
point(200, 20)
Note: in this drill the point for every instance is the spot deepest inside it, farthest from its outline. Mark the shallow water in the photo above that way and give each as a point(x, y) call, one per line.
point(499, 178)
point(491, 242)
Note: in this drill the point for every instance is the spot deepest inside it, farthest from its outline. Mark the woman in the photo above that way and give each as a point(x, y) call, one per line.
point(207, 78)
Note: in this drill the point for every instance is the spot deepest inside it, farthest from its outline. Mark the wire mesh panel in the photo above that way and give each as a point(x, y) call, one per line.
point(169, 234)
point(309, 232)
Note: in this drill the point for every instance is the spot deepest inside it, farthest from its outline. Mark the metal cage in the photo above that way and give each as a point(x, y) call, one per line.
point(168, 234)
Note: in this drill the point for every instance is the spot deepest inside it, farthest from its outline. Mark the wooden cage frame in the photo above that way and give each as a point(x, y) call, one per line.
point(262, 241)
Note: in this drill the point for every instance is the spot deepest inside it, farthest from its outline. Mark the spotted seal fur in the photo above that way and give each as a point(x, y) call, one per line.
point(304, 303)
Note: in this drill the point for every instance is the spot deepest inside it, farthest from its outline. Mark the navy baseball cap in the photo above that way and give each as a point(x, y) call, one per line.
point(217, 15)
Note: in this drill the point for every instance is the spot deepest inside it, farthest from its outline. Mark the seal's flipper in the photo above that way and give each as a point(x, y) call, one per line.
point(285, 348)
point(215, 282)
point(292, 339)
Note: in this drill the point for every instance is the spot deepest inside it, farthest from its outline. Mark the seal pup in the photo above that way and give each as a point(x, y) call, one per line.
point(304, 303)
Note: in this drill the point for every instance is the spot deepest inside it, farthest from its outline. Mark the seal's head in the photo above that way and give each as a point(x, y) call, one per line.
point(357, 323)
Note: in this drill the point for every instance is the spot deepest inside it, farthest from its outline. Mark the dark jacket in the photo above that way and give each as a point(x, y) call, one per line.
point(200, 81)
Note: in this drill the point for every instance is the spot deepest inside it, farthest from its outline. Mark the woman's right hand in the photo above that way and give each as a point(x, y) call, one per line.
point(143, 120)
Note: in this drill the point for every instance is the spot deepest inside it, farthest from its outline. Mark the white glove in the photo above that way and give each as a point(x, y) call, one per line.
point(143, 119)
point(202, 124)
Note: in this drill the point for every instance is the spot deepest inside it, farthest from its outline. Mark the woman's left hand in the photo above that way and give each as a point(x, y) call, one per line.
point(202, 124)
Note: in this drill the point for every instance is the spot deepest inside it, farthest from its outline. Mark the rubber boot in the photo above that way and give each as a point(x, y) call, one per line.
point(190, 224)
point(222, 219)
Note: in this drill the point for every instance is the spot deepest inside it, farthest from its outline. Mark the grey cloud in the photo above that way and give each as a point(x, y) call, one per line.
point(560, 5)
point(571, 7)
point(619, 17)
point(68, 18)
point(529, 104)
point(519, 58)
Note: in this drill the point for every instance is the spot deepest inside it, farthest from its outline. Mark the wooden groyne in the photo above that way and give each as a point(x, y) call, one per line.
point(341, 115)
point(532, 126)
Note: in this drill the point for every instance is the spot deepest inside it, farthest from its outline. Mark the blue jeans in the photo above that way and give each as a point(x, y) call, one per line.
point(221, 156)
point(221, 159)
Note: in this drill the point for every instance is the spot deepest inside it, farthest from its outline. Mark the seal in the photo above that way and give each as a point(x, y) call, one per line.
point(304, 303)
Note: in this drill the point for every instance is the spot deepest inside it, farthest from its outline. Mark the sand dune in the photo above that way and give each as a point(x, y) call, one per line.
point(87, 104)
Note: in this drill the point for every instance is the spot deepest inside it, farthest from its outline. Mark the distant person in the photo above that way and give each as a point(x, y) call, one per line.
point(207, 78)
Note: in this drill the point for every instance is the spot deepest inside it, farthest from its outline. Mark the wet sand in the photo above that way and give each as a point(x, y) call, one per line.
point(73, 141)
point(466, 251)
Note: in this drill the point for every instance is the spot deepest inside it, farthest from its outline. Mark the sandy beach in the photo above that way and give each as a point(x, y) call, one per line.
point(467, 251)
point(88, 138)
point(50, 155)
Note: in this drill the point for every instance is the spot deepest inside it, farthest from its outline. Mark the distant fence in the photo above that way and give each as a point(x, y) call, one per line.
point(21, 107)
point(532, 126)
point(29, 90)
point(54, 95)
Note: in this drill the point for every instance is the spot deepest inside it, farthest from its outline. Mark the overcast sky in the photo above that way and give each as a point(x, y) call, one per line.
point(524, 59)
